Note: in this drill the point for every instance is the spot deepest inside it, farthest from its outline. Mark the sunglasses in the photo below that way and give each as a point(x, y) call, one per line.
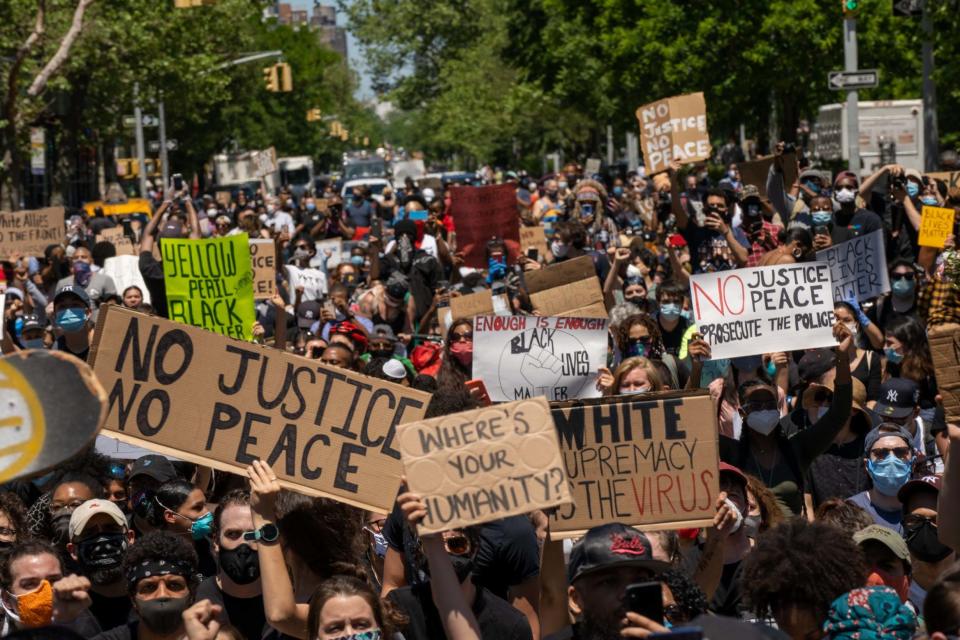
point(457, 545)
point(912, 521)
point(463, 337)
point(903, 276)
point(880, 453)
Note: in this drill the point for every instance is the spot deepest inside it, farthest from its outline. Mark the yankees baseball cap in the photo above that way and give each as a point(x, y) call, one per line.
point(898, 398)
point(307, 313)
point(72, 290)
point(611, 546)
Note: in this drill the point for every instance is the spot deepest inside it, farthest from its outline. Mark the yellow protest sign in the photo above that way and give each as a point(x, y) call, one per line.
point(936, 224)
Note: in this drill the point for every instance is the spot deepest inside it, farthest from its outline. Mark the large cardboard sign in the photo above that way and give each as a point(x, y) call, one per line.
point(945, 349)
point(746, 312)
point(951, 178)
point(482, 213)
point(755, 171)
point(125, 271)
point(936, 223)
point(116, 237)
point(858, 267)
point(263, 258)
point(674, 129)
point(649, 461)
point(210, 284)
point(534, 237)
point(205, 398)
point(569, 288)
point(528, 356)
point(483, 465)
point(479, 303)
point(30, 232)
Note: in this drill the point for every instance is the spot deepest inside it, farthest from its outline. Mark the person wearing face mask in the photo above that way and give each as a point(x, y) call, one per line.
point(714, 245)
point(72, 321)
point(31, 333)
point(929, 557)
point(70, 490)
point(907, 354)
point(888, 458)
point(97, 285)
point(672, 324)
point(764, 450)
point(902, 299)
point(236, 588)
point(763, 512)
point(865, 365)
point(181, 509)
point(13, 523)
point(457, 366)
point(277, 219)
point(634, 375)
point(849, 220)
point(345, 608)
point(161, 579)
point(99, 537)
point(888, 560)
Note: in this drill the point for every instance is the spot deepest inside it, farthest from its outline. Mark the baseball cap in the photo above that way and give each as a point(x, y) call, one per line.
point(383, 331)
point(887, 537)
point(154, 466)
point(74, 290)
point(811, 173)
point(14, 292)
point(394, 369)
point(307, 313)
point(609, 546)
point(845, 174)
point(31, 322)
point(884, 430)
point(173, 228)
point(898, 397)
point(815, 363)
point(730, 470)
point(749, 191)
point(82, 514)
point(926, 483)
point(913, 173)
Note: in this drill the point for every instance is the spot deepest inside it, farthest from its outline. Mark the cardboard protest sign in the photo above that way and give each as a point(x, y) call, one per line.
point(936, 223)
point(330, 249)
point(479, 303)
point(673, 129)
point(951, 178)
point(527, 356)
point(592, 167)
point(263, 258)
point(482, 213)
point(224, 198)
point(29, 232)
point(483, 465)
point(858, 267)
point(534, 237)
point(945, 349)
point(177, 389)
point(745, 312)
point(569, 288)
point(116, 237)
point(210, 284)
point(125, 271)
point(648, 461)
point(755, 172)
point(53, 407)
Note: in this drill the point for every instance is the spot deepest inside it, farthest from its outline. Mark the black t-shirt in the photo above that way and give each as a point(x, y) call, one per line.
point(152, 271)
point(111, 611)
point(208, 564)
point(673, 339)
point(246, 614)
point(859, 224)
point(838, 472)
point(125, 632)
point(727, 599)
point(496, 618)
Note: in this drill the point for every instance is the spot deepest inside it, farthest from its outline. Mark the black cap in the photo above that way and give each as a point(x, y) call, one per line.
point(31, 322)
point(898, 398)
point(307, 313)
point(72, 290)
point(884, 430)
point(815, 363)
point(612, 545)
point(154, 466)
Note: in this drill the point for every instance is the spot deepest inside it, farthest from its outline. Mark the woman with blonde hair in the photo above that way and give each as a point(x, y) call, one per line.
point(634, 375)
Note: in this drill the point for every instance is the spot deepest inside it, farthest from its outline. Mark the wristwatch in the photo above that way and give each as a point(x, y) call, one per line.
point(267, 533)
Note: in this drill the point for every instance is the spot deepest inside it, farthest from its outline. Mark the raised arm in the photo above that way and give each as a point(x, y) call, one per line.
point(948, 515)
point(146, 238)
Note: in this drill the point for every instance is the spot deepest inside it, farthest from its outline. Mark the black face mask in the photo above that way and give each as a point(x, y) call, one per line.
point(462, 566)
point(923, 543)
point(60, 527)
point(242, 565)
point(640, 301)
point(162, 615)
point(103, 552)
point(381, 353)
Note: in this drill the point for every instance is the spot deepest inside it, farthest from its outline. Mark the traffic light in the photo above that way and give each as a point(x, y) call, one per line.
point(366, 141)
point(850, 8)
point(314, 115)
point(286, 77)
point(271, 77)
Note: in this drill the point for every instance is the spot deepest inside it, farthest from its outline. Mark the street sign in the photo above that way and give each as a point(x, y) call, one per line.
point(154, 145)
point(849, 80)
point(908, 8)
point(147, 121)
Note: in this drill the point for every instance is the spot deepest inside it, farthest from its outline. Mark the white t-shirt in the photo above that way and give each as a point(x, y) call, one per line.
point(313, 281)
point(279, 221)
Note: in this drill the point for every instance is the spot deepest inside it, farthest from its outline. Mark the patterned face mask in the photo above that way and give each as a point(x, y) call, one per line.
point(373, 634)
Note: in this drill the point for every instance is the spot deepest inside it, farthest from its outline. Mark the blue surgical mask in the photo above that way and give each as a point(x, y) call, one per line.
point(822, 218)
point(618, 191)
point(35, 343)
point(311, 206)
point(930, 201)
point(889, 474)
point(902, 287)
point(202, 527)
point(586, 209)
point(812, 186)
point(18, 325)
point(70, 320)
point(356, 261)
point(771, 368)
point(912, 188)
point(670, 310)
point(893, 355)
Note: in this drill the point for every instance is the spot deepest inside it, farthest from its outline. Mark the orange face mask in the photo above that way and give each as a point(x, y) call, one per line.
point(878, 578)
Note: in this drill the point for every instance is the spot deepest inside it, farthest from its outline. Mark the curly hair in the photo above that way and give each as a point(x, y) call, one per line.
point(689, 596)
point(324, 534)
point(770, 512)
point(653, 328)
point(801, 564)
point(158, 545)
point(12, 506)
point(843, 515)
point(387, 617)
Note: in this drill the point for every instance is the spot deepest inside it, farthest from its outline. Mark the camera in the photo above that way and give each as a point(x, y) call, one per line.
point(789, 147)
point(898, 182)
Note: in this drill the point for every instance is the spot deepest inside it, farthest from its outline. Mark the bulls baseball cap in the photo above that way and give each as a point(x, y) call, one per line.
point(72, 290)
point(82, 514)
point(154, 466)
point(898, 398)
point(611, 546)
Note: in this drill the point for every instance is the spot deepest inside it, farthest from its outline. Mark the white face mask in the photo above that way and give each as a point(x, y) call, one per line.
point(630, 392)
point(212, 213)
point(843, 196)
point(764, 421)
point(852, 328)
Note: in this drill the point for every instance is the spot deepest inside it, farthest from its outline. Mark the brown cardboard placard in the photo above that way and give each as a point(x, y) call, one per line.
point(212, 400)
point(482, 213)
point(263, 256)
point(223, 197)
point(755, 172)
point(674, 129)
point(482, 465)
point(648, 461)
point(476, 304)
point(29, 232)
point(533, 237)
point(569, 288)
point(952, 178)
point(116, 237)
point(945, 349)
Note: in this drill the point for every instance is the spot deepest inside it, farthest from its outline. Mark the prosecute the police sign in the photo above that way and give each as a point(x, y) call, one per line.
point(746, 312)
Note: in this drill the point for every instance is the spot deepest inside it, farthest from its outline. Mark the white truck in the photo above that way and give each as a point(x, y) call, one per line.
point(233, 170)
point(296, 172)
point(882, 122)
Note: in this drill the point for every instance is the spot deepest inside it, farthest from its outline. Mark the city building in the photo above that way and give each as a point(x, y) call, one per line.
point(322, 21)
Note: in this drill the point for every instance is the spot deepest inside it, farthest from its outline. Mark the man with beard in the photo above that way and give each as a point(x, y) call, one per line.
point(99, 536)
point(161, 574)
point(236, 588)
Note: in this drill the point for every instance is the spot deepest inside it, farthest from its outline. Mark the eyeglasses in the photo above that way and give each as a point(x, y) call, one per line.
point(880, 453)
point(70, 506)
point(463, 337)
point(457, 545)
point(903, 276)
point(643, 340)
point(913, 521)
point(7, 533)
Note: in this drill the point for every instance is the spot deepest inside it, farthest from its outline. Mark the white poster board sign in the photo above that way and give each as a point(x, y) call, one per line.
point(746, 312)
point(526, 356)
point(858, 267)
point(125, 271)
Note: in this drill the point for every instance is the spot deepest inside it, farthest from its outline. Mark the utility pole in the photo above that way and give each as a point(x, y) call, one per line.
point(163, 142)
point(609, 147)
point(853, 118)
point(141, 157)
point(931, 143)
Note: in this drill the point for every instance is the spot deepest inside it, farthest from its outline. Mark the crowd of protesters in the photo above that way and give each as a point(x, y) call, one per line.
point(834, 517)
